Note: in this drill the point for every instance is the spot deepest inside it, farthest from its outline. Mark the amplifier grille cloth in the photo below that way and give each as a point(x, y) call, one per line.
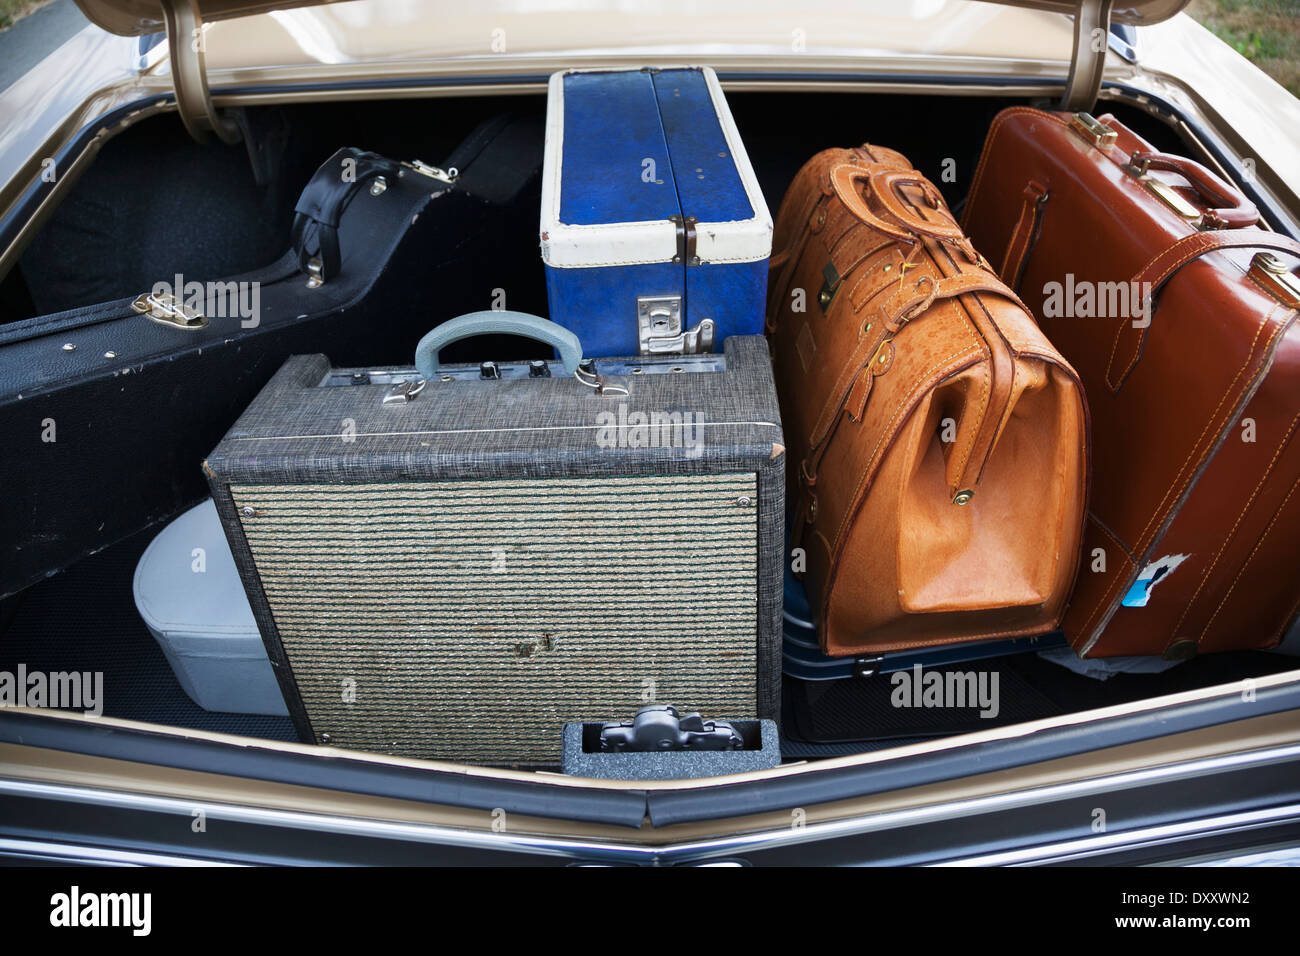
point(470, 619)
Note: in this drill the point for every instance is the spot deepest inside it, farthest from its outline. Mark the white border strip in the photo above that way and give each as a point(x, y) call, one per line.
point(744, 240)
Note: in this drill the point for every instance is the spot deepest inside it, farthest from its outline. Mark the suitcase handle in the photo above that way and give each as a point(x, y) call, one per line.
point(497, 323)
point(1229, 208)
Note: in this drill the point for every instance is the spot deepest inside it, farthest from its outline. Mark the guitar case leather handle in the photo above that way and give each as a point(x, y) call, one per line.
point(331, 189)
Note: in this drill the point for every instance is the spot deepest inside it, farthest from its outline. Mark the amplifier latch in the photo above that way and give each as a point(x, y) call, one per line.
point(403, 392)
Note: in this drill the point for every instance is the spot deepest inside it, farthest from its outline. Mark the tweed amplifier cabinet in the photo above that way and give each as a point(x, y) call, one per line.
point(455, 564)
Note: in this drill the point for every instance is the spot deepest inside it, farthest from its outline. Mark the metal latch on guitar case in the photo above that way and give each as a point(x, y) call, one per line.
point(448, 176)
point(659, 328)
point(658, 727)
point(169, 310)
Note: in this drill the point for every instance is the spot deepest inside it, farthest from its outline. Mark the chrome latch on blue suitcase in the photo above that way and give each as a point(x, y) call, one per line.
point(654, 232)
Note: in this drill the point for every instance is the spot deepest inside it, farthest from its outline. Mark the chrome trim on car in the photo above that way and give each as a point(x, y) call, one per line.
point(1081, 849)
point(613, 851)
point(80, 854)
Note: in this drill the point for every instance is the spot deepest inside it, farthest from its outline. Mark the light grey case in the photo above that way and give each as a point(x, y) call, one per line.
point(189, 593)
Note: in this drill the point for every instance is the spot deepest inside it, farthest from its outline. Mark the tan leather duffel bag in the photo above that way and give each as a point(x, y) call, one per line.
point(938, 442)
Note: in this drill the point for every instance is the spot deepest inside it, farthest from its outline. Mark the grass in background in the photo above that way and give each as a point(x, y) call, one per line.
point(1266, 32)
point(13, 10)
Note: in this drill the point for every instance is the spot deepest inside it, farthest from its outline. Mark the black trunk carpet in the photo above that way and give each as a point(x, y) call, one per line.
point(877, 709)
point(832, 718)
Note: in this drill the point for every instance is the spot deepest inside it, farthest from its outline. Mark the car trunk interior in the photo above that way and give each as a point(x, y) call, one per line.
point(155, 204)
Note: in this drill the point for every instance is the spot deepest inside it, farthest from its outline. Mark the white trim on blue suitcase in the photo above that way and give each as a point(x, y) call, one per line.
point(566, 246)
point(744, 240)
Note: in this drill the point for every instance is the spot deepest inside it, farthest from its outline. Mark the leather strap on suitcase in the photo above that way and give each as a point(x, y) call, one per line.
point(939, 442)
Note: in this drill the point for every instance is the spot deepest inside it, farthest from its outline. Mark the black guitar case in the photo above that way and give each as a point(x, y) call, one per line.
point(108, 410)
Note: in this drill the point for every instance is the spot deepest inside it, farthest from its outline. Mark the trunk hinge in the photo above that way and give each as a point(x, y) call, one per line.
point(185, 43)
point(1091, 42)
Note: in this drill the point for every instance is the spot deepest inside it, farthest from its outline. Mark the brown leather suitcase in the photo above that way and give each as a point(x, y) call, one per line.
point(1194, 521)
point(938, 442)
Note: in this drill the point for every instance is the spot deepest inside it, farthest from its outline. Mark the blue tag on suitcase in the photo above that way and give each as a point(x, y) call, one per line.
point(653, 229)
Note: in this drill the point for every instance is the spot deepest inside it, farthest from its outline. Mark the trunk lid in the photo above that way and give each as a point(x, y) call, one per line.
point(140, 17)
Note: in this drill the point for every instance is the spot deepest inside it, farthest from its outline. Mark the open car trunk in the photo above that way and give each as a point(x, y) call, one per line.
point(156, 204)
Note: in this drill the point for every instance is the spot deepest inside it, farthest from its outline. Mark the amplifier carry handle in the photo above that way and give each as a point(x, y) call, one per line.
point(497, 323)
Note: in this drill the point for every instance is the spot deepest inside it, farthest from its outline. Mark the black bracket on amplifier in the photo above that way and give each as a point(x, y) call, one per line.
point(661, 744)
point(659, 727)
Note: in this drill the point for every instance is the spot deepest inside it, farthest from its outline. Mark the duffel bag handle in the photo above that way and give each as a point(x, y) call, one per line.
point(1229, 208)
point(884, 185)
point(497, 323)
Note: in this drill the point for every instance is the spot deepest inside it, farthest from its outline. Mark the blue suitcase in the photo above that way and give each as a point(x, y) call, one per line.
point(654, 232)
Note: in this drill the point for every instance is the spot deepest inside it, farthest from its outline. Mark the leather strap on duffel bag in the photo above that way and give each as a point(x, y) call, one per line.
point(938, 441)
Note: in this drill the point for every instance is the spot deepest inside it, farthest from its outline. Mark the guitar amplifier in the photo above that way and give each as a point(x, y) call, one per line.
point(453, 562)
